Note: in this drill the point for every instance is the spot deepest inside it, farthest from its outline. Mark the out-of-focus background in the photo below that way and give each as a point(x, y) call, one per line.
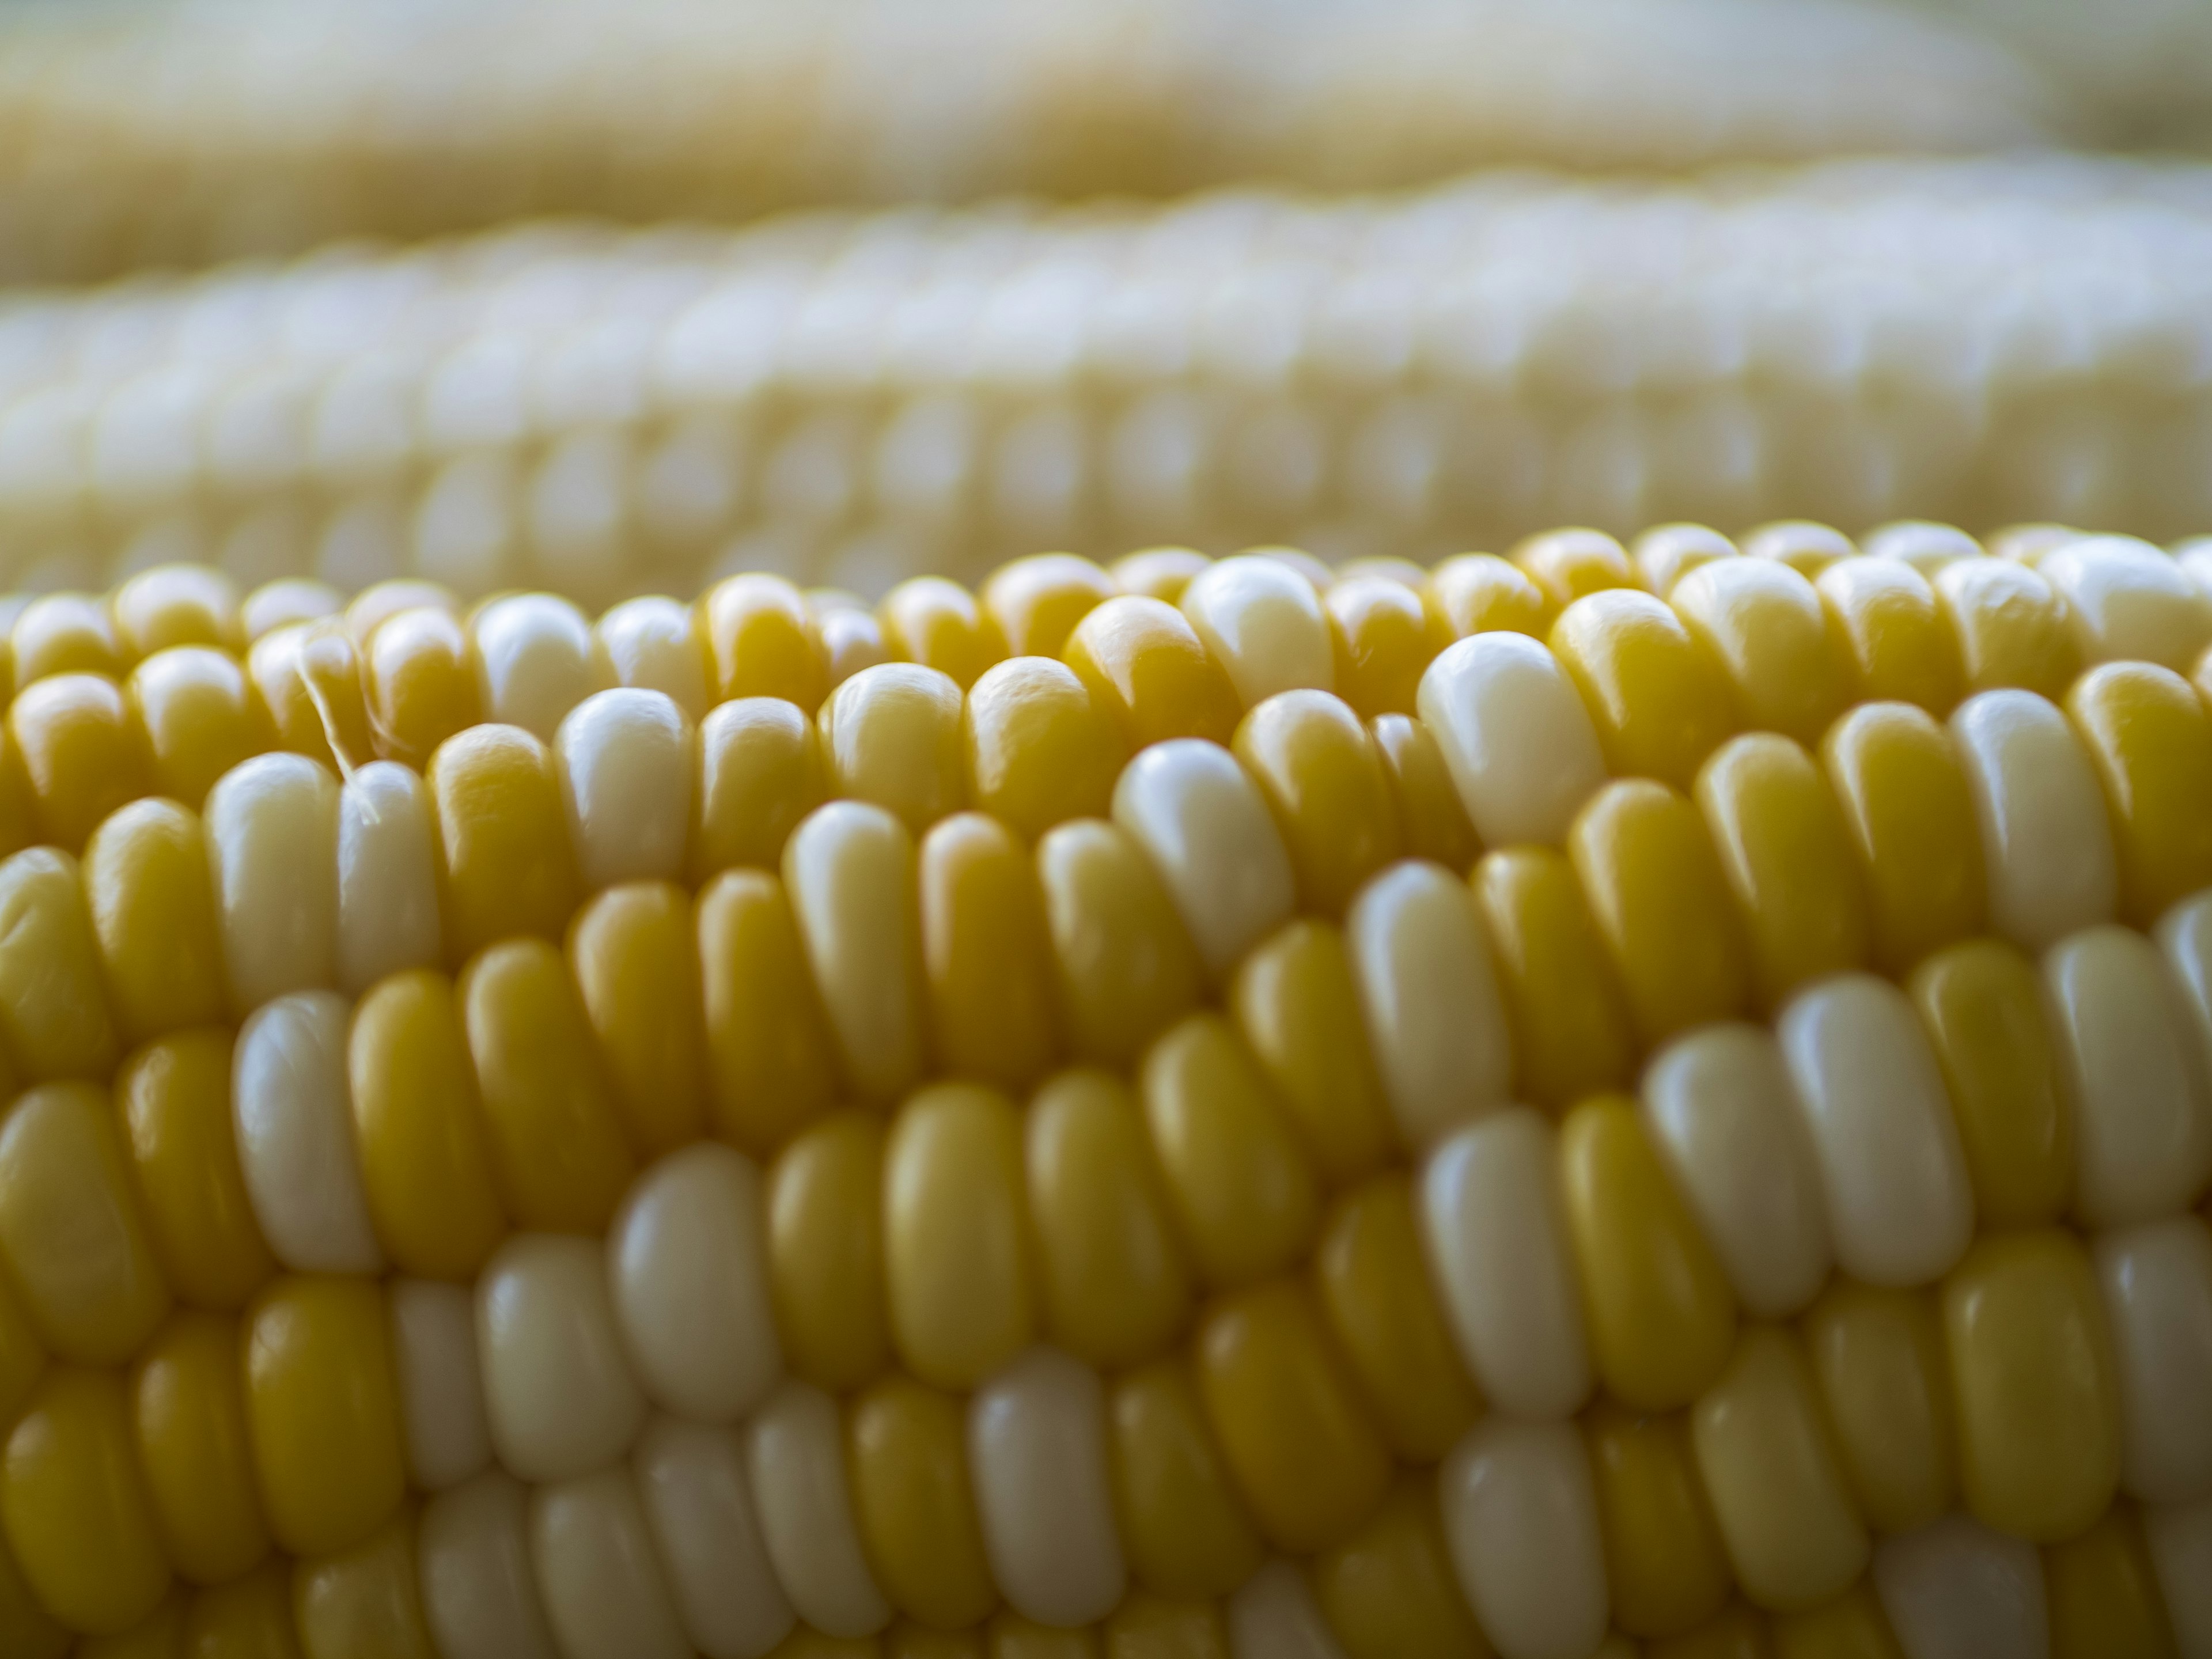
point(611, 295)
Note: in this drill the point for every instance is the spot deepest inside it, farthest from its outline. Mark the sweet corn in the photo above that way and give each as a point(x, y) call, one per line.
point(764, 1178)
point(853, 401)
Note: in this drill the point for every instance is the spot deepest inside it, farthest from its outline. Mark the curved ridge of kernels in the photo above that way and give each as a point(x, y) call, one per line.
point(473, 999)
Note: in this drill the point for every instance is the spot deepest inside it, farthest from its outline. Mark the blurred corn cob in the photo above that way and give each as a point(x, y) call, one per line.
point(184, 134)
point(1048, 1112)
point(852, 400)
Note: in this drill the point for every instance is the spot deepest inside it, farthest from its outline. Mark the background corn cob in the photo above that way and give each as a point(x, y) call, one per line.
point(1056, 1170)
point(852, 400)
point(183, 134)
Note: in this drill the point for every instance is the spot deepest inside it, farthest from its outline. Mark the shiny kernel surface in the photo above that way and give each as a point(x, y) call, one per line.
point(1325, 785)
point(1657, 698)
point(1666, 1570)
point(1572, 1033)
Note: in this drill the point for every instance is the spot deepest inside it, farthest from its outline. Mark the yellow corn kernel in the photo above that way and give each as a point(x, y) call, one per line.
point(1181, 1523)
point(1158, 573)
point(22, 1359)
point(249, 1618)
point(558, 1154)
point(1665, 1569)
point(891, 736)
point(1665, 553)
point(1878, 1354)
point(1310, 1465)
point(1661, 1317)
point(81, 752)
point(2103, 1594)
point(1738, 1633)
point(1661, 904)
point(1323, 780)
point(939, 625)
point(1571, 1035)
point(1037, 602)
point(364, 1601)
point(850, 870)
point(1110, 1272)
point(1788, 858)
point(173, 1099)
point(1240, 1184)
point(1982, 1003)
point(505, 865)
point(1894, 633)
point(1763, 623)
point(1298, 1008)
point(189, 1413)
point(1041, 746)
point(1909, 816)
point(759, 774)
point(307, 681)
point(322, 1403)
point(196, 719)
point(825, 1246)
point(985, 952)
point(1373, 1281)
point(1124, 966)
point(1806, 547)
point(30, 1631)
point(1771, 1468)
point(174, 604)
point(1432, 820)
point(2011, 626)
point(1145, 665)
point(419, 687)
point(1147, 1627)
point(154, 1637)
point(153, 911)
point(18, 807)
point(54, 1002)
point(763, 643)
point(1571, 564)
point(1659, 702)
point(76, 1509)
point(65, 634)
point(1388, 1589)
point(2034, 1384)
point(958, 1279)
point(636, 962)
point(1852, 1627)
point(906, 1451)
point(425, 1165)
point(2151, 742)
point(767, 1043)
point(71, 1235)
point(1384, 644)
point(1482, 594)
point(377, 604)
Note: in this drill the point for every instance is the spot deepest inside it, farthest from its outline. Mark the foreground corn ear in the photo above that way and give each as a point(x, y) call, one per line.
point(1605, 1096)
point(186, 134)
point(850, 399)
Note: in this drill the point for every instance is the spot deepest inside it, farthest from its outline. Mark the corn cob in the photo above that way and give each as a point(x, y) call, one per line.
point(848, 401)
point(211, 131)
point(1603, 1097)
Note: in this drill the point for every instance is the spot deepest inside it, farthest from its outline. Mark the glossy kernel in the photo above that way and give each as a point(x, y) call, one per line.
point(1982, 1005)
point(153, 910)
point(2150, 740)
point(1373, 1281)
point(1384, 644)
point(1910, 815)
point(421, 688)
point(1324, 782)
point(1664, 1565)
point(1482, 594)
point(986, 953)
point(763, 643)
point(1660, 903)
point(826, 1252)
point(891, 735)
point(1144, 662)
point(1306, 1459)
point(1571, 1035)
point(197, 717)
point(1787, 859)
point(1878, 1354)
point(81, 751)
point(2036, 1385)
point(1124, 964)
point(1432, 820)
point(1572, 564)
point(939, 625)
point(1388, 1589)
point(1661, 1315)
point(1038, 601)
point(907, 1453)
point(767, 1041)
point(2103, 1594)
point(759, 773)
point(2010, 626)
point(1659, 702)
point(505, 865)
point(1893, 632)
point(635, 959)
point(1182, 1523)
point(1762, 622)
point(1110, 1272)
point(188, 1422)
point(1041, 746)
